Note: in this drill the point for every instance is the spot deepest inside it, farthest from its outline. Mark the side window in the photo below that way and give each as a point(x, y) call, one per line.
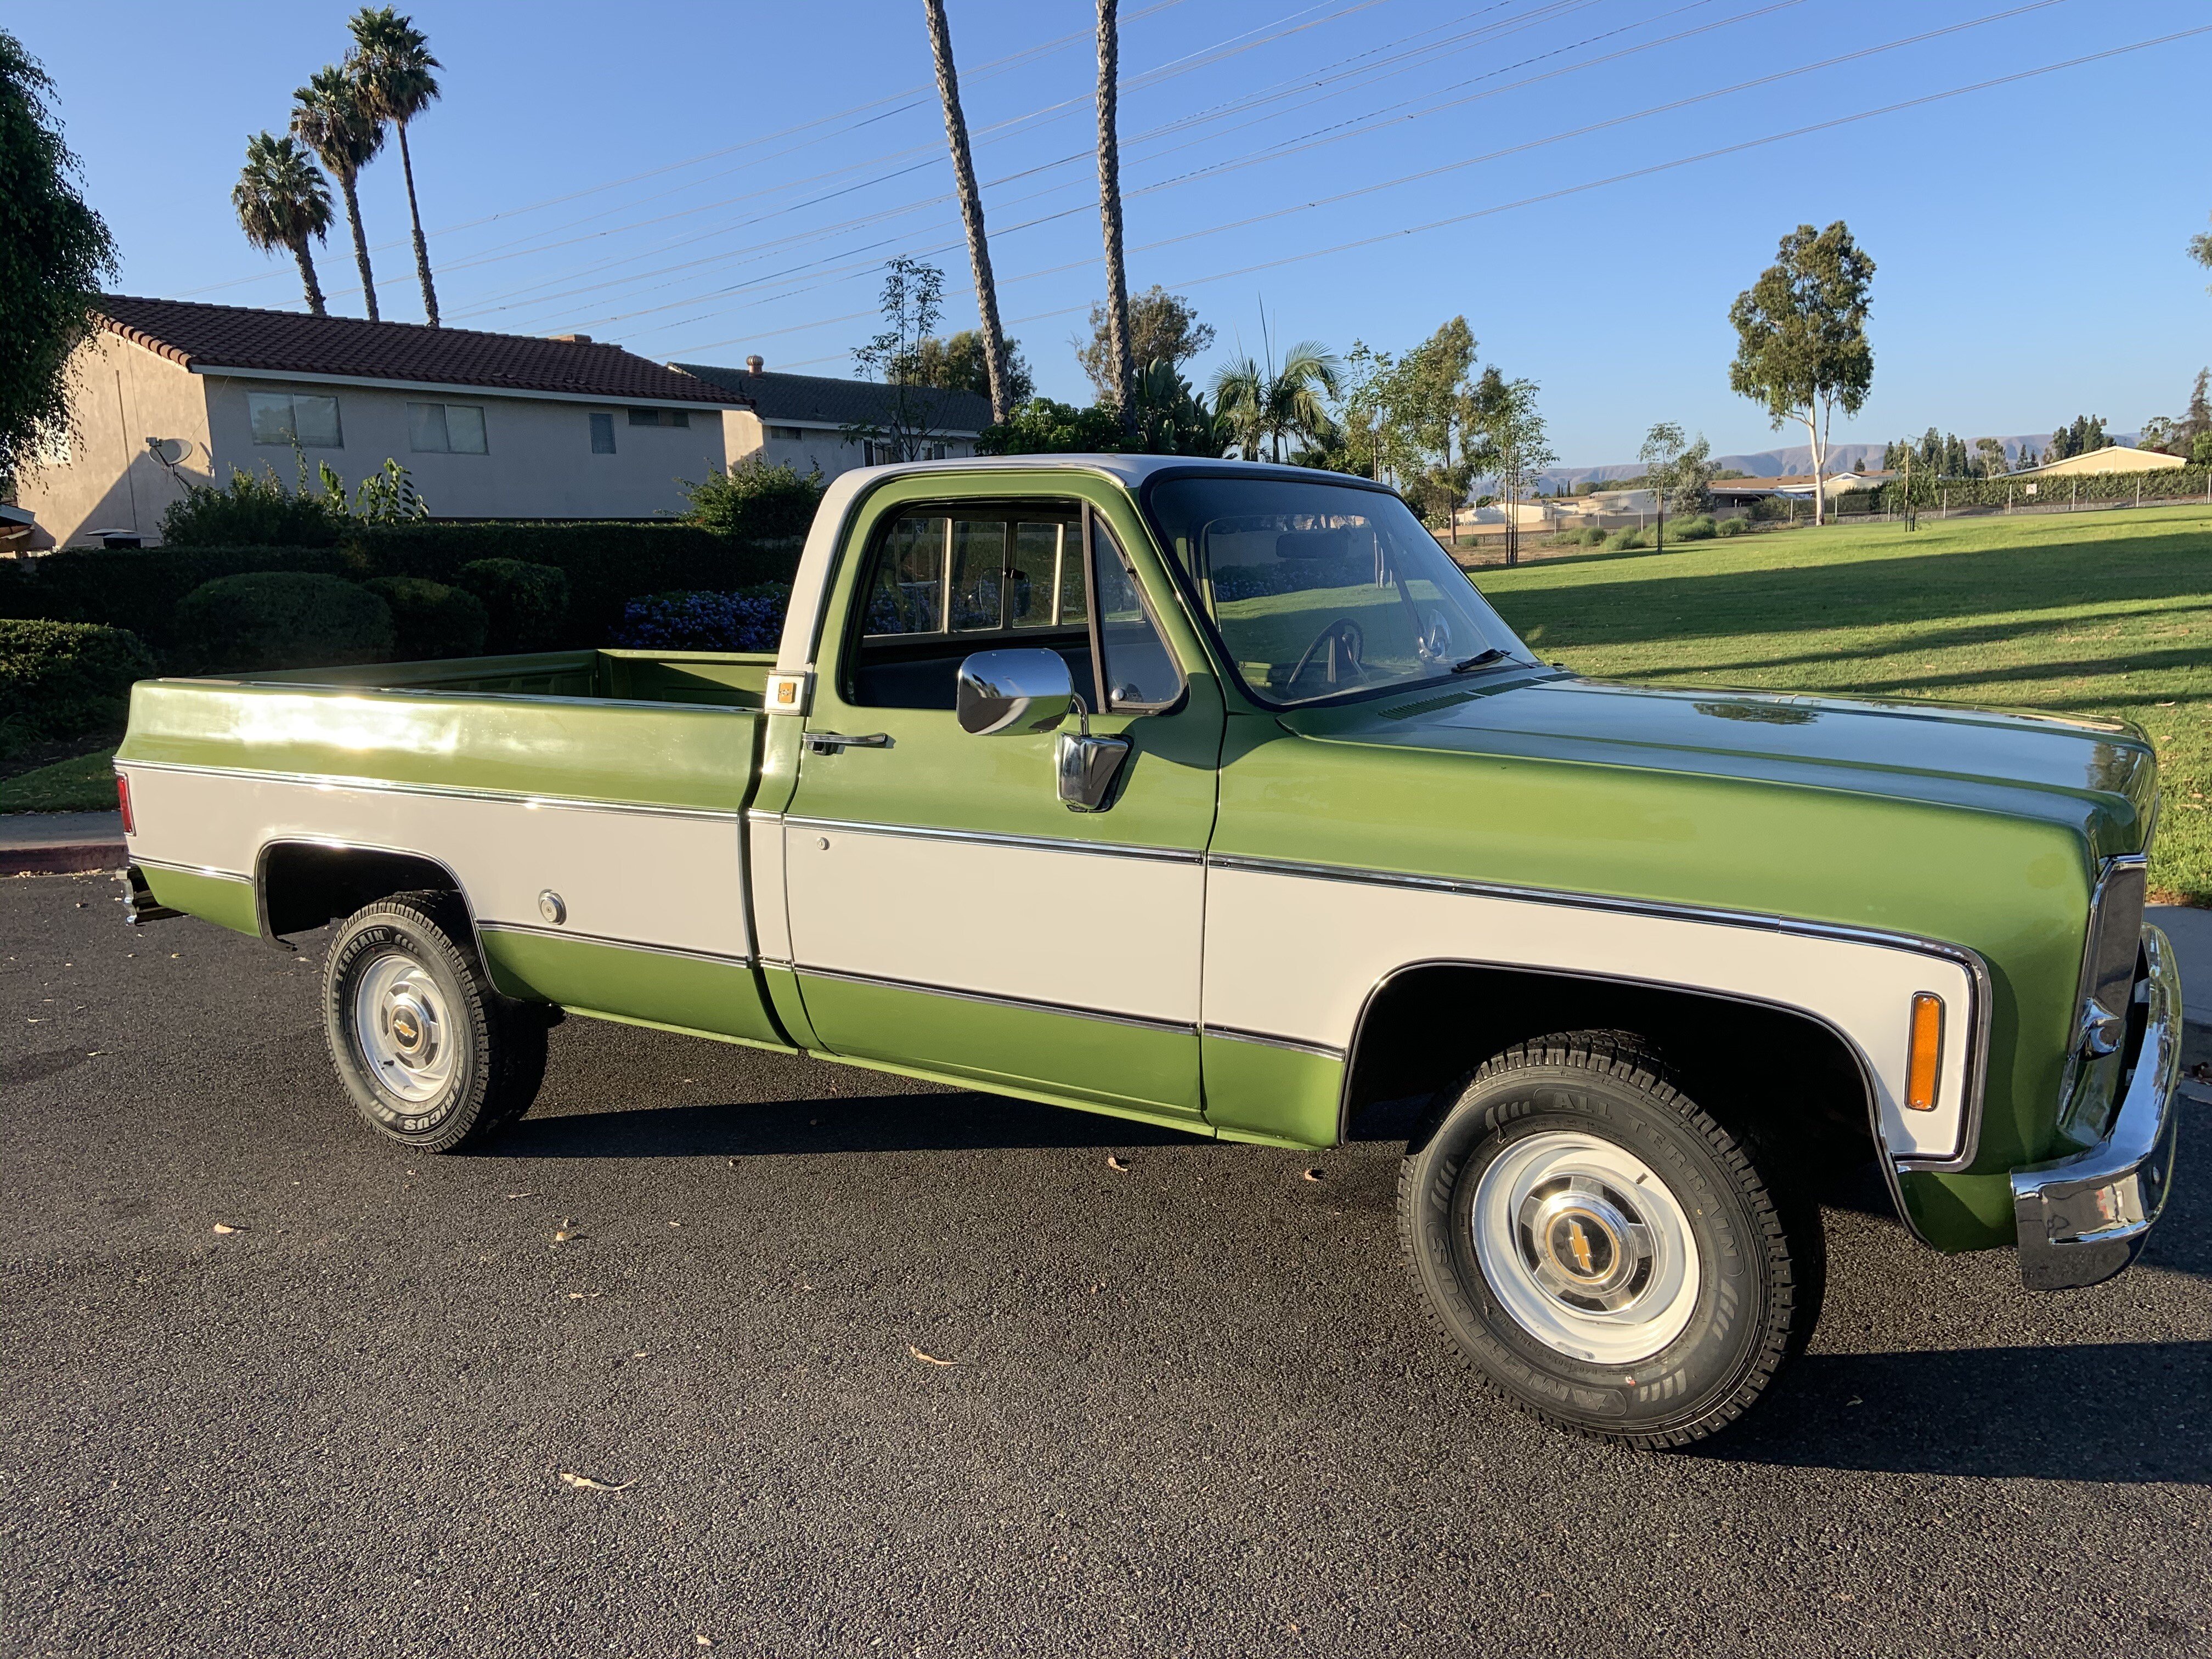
point(293, 417)
point(943, 584)
point(603, 434)
point(1140, 672)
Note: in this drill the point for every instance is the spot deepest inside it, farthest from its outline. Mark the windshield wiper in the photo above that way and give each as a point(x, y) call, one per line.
point(1481, 660)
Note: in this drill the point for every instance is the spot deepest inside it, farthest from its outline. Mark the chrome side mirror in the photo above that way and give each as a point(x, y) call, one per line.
point(1014, 691)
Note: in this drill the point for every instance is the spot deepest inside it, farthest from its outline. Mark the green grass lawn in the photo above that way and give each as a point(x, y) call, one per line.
point(86, 783)
point(2105, 613)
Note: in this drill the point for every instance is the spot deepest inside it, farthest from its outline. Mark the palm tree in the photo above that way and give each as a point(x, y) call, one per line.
point(995, 367)
point(1109, 214)
point(329, 117)
point(1263, 405)
point(390, 64)
point(282, 202)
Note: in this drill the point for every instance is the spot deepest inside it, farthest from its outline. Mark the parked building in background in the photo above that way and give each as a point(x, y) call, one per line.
point(802, 419)
point(168, 393)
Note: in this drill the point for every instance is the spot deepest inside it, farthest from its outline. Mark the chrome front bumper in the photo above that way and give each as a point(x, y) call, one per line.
point(2081, 1219)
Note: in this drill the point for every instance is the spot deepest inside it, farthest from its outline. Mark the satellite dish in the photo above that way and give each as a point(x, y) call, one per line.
point(169, 451)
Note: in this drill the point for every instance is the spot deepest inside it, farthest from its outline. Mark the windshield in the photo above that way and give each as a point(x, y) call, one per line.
point(1319, 589)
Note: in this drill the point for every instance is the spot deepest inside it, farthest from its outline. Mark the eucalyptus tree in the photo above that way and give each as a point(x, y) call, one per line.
point(390, 64)
point(330, 116)
point(1162, 325)
point(52, 258)
point(282, 201)
point(2200, 249)
point(1263, 405)
point(1801, 346)
point(1121, 354)
point(1514, 444)
point(998, 368)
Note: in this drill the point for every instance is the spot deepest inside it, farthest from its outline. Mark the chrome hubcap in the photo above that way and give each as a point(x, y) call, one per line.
point(1585, 1247)
point(399, 1020)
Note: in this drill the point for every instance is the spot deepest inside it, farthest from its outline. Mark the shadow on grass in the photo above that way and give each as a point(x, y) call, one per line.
point(1866, 592)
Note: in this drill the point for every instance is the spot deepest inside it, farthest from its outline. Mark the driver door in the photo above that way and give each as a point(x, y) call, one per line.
point(947, 911)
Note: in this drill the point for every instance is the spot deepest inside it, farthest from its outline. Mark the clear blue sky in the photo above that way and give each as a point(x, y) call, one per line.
point(2029, 235)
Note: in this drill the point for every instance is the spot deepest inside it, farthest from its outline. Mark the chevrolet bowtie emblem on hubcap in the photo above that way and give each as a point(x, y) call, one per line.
point(1580, 1243)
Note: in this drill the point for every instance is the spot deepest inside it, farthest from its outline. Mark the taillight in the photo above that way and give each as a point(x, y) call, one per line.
point(1925, 1052)
point(123, 800)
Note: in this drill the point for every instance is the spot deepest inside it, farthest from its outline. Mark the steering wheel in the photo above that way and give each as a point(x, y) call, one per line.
point(1343, 630)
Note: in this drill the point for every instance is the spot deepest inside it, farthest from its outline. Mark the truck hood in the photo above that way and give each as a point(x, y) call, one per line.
point(2099, 777)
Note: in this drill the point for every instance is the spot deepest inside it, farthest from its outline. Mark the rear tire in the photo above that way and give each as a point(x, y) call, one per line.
point(434, 1057)
point(1611, 1258)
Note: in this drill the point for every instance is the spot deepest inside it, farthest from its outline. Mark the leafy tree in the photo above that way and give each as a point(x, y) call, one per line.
point(753, 498)
point(282, 202)
point(1436, 400)
point(1692, 493)
point(1802, 347)
point(998, 379)
point(1993, 456)
point(54, 252)
point(1162, 327)
point(912, 300)
point(2084, 434)
point(1045, 427)
point(331, 117)
point(1512, 443)
point(960, 363)
point(391, 64)
point(2200, 249)
point(1662, 445)
point(2196, 419)
point(1264, 405)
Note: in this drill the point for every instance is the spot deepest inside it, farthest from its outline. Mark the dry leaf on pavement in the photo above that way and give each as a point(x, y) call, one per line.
point(587, 1484)
point(928, 1358)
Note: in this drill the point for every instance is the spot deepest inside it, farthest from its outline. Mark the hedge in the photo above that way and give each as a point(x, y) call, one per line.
point(58, 680)
point(140, 588)
point(281, 619)
point(526, 605)
point(2051, 490)
point(429, 619)
point(608, 563)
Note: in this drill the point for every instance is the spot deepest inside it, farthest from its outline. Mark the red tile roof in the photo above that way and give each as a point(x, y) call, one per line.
point(212, 337)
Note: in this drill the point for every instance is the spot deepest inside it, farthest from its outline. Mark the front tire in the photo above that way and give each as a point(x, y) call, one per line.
point(434, 1057)
point(1611, 1258)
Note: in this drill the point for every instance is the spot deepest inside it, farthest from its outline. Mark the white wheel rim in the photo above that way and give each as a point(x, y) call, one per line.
point(401, 1025)
point(1585, 1246)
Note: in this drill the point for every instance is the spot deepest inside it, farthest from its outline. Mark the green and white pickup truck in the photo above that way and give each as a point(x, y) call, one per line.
point(1214, 795)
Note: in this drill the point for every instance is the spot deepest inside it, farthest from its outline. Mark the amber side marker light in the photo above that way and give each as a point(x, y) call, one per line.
point(1924, 1059)
point(123, 800)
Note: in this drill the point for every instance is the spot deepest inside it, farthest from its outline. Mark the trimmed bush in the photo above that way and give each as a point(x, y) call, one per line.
point(58, 680)
point(749, 620)
point(429, 619)
point(1731, 526)
point(140, 588)
point(281, 619)
point(1625, 541)
point(527, 604)
point(1700, 528)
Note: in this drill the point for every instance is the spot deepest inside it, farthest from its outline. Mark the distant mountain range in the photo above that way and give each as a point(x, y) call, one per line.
point(1792, 462)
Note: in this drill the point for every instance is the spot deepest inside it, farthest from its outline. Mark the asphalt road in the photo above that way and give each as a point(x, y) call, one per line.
point(1192, 1407)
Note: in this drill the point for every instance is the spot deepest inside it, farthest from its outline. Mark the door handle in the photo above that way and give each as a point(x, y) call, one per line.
point(831, 743)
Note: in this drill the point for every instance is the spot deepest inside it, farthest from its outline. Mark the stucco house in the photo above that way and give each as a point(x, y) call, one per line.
point(801, 419)
point(169, 392)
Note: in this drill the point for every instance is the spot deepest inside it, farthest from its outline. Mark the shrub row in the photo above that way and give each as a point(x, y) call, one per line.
point(58, 680)
point(2001, 491)
point(140, 588)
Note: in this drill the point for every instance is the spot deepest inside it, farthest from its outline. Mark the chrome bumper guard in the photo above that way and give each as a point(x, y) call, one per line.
point(2081, 1219)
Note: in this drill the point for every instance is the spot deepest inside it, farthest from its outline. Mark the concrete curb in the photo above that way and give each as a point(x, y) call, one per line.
point(62, 860)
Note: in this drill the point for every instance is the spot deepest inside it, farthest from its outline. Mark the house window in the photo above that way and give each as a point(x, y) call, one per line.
point(446, 429)
point(661, 417)
point(603, 434)
point(294, 418)
point(790, 434)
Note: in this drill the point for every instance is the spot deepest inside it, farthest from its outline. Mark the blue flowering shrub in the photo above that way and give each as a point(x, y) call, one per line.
point(749, 619)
